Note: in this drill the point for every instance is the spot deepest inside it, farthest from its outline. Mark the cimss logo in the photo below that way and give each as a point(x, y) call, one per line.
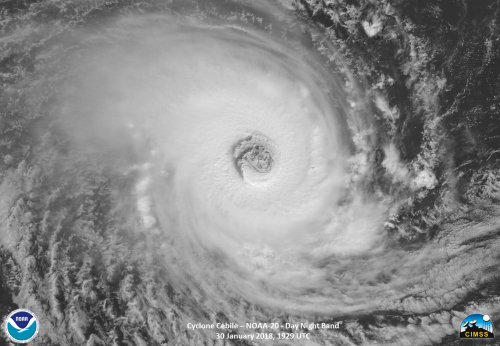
point(476, 327)
point(21, 326)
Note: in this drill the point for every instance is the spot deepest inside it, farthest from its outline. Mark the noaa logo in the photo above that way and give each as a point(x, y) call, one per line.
point(21, 326)
point(476, 327)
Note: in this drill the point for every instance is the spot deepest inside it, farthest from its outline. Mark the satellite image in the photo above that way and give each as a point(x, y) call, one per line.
point(249, 172)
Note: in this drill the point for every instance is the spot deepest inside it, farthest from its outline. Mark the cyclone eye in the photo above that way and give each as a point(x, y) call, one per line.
point(253, 157)
point(258, 157)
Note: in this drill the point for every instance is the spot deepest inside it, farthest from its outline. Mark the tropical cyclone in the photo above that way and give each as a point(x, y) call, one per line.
point(166, 162)
point(243, 149)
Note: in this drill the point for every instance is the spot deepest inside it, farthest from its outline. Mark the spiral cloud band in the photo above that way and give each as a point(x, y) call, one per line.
point(244, 151)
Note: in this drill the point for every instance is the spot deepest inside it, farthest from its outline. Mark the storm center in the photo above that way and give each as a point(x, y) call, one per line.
point(253, 157)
